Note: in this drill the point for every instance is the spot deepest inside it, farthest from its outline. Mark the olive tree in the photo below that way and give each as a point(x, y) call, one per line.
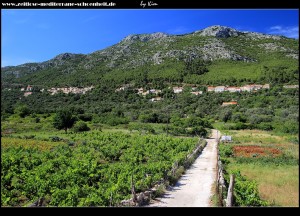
point(63, 119)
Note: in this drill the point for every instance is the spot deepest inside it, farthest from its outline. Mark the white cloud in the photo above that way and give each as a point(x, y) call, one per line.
point(288, 31)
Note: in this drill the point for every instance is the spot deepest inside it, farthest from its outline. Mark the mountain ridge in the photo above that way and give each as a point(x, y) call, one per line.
point(208, 31)
point(137, 51)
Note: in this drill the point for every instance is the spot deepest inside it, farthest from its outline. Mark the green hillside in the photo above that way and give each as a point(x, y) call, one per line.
point(227, 54)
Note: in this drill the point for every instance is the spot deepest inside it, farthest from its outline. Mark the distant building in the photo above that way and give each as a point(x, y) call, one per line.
point(154, 91)
point(156, 99)
point(226, 139)
point(145, 93)
point(140, 90)
point(291, 86)
point(210, 88)
point(120, 89)
point(238, 89)
point(233, 89)
point(197, 93)
point(253, 87)
point(29, 88)
point(27, 94)
point(229, 103)
point(123, 87)
point(157, 91)
point(177, 90)
point(266, 86)
point(220, 88)
point(247, 88)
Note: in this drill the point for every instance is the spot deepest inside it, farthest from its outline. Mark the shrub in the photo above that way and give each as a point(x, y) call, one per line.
point(81, 126)
point(29, 136)
point(85, 117)
point(265, 126)
point(246, 192)
point(238, 126)
point(70, 143)
point(63, 120)
point(225, 150)
point(159, 191)
point(55, 138)
point(22, 110)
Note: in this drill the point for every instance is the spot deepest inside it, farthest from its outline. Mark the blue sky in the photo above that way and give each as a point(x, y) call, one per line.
point(39, 35)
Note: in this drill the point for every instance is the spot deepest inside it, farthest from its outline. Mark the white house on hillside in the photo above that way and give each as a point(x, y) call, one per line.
point(177, 90)
point(220, 88)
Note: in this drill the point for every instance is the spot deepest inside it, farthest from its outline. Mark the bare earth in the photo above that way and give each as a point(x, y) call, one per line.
point(195, 187)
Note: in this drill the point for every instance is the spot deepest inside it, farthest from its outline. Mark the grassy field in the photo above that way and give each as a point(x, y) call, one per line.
point(279, 185)
point(257, 154)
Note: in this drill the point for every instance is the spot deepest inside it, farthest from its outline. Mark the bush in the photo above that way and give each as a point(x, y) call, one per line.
point(85, 117)
point(63, 120)
point(149, 118)
point(22, 111)
point(55, 138)
point(198, 130)
point(265, 126)
point(246, 192)
point(174, 130)
point(113, 121)
point(71, 143)
point(238, 126)
point(81, 126)
point(225, 150)
point(145, 128)
point(29, 136)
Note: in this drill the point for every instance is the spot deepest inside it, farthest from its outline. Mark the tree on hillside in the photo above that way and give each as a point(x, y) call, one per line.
point(22, 110)
point(196, 66)
point(63, 120)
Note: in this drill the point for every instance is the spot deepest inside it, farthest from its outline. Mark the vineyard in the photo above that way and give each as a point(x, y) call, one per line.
point(94, 169)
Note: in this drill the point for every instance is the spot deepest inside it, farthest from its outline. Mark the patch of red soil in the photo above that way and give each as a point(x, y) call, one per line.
point(255, 151)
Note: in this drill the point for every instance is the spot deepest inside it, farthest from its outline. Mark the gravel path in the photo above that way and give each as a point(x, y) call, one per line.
point(195, 187)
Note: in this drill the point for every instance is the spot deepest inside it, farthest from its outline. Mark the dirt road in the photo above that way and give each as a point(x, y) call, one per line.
point(195, 187)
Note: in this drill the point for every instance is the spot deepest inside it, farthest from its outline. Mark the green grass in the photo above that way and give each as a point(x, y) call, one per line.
point(7, 142)
point(278, 184)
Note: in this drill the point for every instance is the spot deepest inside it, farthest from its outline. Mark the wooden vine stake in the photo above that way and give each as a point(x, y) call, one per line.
point(229, 200)
point(134, 198)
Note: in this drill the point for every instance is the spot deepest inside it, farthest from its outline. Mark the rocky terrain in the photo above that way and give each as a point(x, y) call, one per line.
point(139, 50)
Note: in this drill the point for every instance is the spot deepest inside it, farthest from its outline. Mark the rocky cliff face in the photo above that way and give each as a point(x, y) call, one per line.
point(219, 32)
point(226, 32)
point(144, 37)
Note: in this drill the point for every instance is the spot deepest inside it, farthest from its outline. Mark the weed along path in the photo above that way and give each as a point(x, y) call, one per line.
point(195, 187)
